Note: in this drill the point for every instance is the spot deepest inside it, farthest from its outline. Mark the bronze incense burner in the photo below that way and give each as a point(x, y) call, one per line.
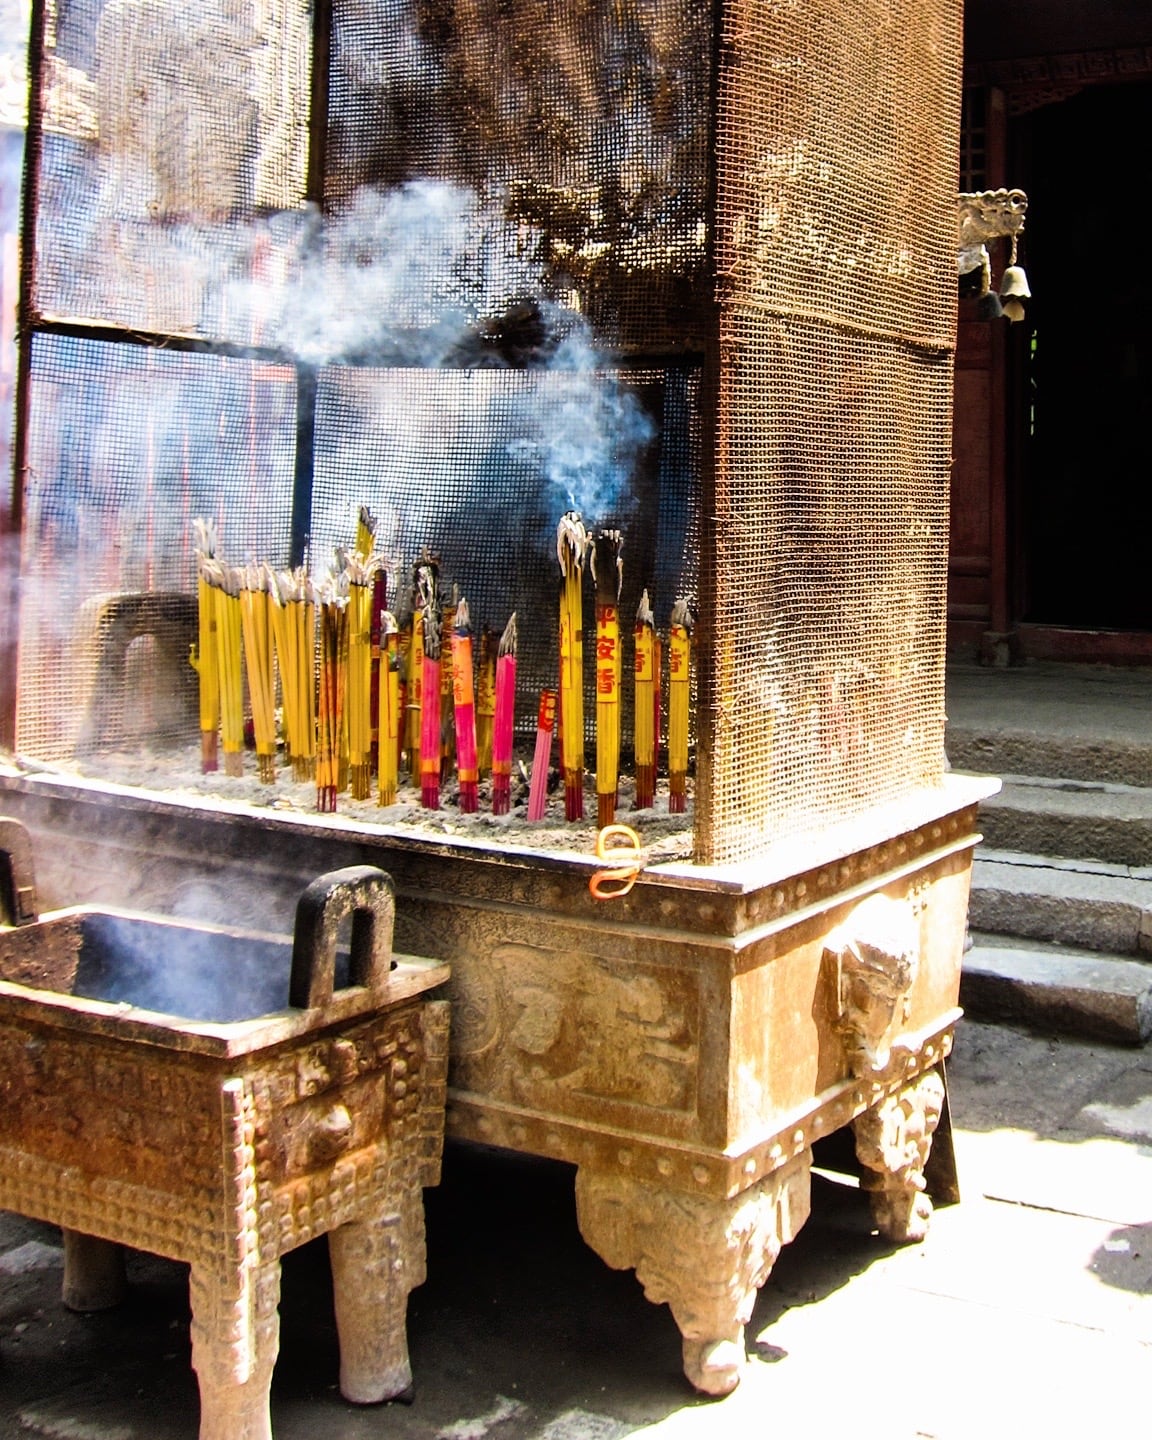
point(228, 1139)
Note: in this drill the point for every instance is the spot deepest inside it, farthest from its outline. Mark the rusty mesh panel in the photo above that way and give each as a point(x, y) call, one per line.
point(477, 466)
point(586, 126)
point(126, 447)
point(168, 129)
point(825, 573)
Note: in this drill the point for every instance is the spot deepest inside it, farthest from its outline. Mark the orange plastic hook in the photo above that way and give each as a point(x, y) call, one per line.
point(611, 884)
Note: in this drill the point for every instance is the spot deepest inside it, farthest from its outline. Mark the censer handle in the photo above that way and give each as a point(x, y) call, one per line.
point(17, 882)
point(367, 895)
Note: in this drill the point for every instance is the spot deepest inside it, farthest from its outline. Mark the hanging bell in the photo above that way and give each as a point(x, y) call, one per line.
point(1012, 310)
point(988, 306)
point(1014, 284)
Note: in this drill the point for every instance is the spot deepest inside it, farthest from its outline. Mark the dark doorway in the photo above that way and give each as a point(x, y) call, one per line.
point(1086, 502)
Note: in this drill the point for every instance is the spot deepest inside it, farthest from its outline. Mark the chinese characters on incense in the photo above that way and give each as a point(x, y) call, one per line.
point(354, 692)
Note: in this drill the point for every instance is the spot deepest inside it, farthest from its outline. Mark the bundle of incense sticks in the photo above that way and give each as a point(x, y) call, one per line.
point(541, 758)
point(679, 690)
point(571, 548)
point(361, 577)
point(225, 585)
point(485, 700)
point(204, 655)
point(333, 670)
point(430, 689)
point(644, 713)
point(257, 633)
point(464, 706)
point(504, 721)
point(608, 573)
point(388, 753)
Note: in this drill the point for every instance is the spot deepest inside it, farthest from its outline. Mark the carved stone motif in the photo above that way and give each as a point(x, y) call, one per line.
point(562, 1031)
point(893, 1140)
point(875, 953)
point(705, 1258)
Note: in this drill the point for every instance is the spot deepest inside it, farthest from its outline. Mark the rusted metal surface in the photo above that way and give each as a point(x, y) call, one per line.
point(227, 1142)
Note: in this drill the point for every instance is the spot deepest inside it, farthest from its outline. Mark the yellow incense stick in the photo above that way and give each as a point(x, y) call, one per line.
point(607, 572)
point(644, 709)
point(388, 750)
point(571, 547)
point(679, 691)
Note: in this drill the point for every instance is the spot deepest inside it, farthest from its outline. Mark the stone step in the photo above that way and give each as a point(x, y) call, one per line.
point(1058, 990)
point(1036, 753)
point(1076, 819)
point(1087, 905)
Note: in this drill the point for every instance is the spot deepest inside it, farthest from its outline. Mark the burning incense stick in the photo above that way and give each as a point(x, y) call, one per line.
point(225, 583)
point(571, 547)
point(388, 755)
point(204, 653)
point(361, 578)
point(644, 713)
point(415, 689)
point(538, 785)
point(261, 676)
point(430, 708)
point(608, 573)
point(679, 689)
point(464, 706)
point(504, 722)
point(365, 548)
point(333, 669)
point(485, 700)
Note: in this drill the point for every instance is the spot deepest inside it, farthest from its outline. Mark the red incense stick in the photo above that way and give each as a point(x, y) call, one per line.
point(503, 724)
point(538, 786)
point(430, 690)
point(464, 706)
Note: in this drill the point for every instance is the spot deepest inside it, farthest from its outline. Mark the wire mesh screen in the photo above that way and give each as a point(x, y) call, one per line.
point(168, 131)
point(587, 124)
point(687, 267)
point(126, 446)
point(824, 573)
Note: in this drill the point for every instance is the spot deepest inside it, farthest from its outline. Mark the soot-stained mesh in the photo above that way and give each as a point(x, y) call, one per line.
point(126, 447)
point(475, 467)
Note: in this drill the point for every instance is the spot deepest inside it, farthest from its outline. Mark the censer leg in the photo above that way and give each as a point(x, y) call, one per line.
point(94, 1276)
point(375, 1263)
point(893, 1141)
point(705, 1258)
point(235, 1340)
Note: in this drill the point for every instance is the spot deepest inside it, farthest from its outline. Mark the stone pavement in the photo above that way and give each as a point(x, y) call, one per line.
point(1026, 1314)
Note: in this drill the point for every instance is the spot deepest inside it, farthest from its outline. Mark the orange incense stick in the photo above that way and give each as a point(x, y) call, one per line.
point(464, 707)
point(485, 700)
